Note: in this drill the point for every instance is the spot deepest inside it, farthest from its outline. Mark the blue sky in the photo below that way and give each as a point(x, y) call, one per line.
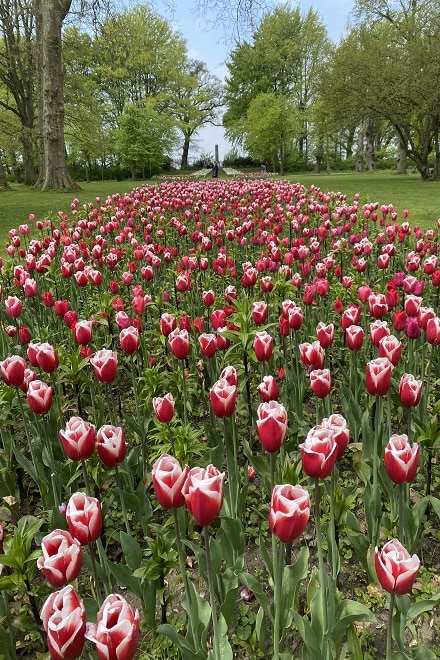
point(209, 47)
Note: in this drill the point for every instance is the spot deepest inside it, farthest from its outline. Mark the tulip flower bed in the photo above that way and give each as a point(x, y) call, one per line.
point(219, 427)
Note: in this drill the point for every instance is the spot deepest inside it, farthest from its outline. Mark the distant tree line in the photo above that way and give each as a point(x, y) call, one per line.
point(297, 100)
point(116, 100)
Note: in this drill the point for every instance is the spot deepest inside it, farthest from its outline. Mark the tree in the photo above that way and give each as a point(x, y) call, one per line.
point(49, 16)
point(146, 137)
point(392, 38)
point(138, 56)
point(196, 101)
point(53, 172)
point(17, 74)
point(87, 116)
point(284, 59)
point(272, 125)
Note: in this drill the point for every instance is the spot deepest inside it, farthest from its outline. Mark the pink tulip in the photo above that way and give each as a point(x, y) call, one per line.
point(396, 569)
point(223, 397)
point(271, 425)
point(39, 397)
point(289, 512)
point(13, 307)
point(64, 621)
point(263, 346)
point(84, 517)
point(12, 370)
point(116, 633)
point(321, 382)
point(111, 445)
point(178, 341)
point(105, 363)
point(62, 558)
point(129, 340)
point(203, 493)
point(401, 459)
point(164, 408)
point(168, 481)
point(268, 389)
point(378, 376)
point(319, 452)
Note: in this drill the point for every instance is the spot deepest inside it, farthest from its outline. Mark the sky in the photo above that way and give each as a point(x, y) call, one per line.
point(209, 47)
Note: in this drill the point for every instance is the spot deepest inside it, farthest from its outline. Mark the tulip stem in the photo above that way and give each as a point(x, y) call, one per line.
point(36, 463)
point(278, 566)
point(332, 529)
point(181, 557)
point(95, 574)
point(185, 412)
point(390, 624)
point(52, 467)
point(217, 652)
point(322, 581)
point(272, 471)
point(377, 442)
point(121, 495)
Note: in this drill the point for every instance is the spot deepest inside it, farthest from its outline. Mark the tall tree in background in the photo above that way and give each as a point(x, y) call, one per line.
point(283, 59)
point(17, 74)
point(53, 171)
point(397, 58)
point(195, 101)
point(145, 138)
point(272, 124)
point(49, 16)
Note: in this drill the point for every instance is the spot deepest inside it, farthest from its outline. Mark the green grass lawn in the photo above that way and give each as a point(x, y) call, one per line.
point(421, 198)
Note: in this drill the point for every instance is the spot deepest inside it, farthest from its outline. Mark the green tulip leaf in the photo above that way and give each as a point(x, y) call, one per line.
point(308, 636)
point(422, 606)
point(132, 550)
point(349, 611)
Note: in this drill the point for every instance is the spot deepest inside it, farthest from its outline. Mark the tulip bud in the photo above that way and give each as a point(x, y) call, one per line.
point(268, 389)
point(39, 397)
point(401, 460)
point(129, 340)
point(116, 633)
point(168, 481)
point(110, 445)
point(12, 370)
point(271, 425)
point(223, 397)
point(289, 512)
point(84, 517)
point(64, 621)
point(319, 452)
point(78, 439)
point(179, 343)
point(62, 558)
point(164, 408)
point(105, 363)
point(263, 346)
point(321, 382)
point(378, 376)
point(396, 569)
point(203, 493)
point(410, 390)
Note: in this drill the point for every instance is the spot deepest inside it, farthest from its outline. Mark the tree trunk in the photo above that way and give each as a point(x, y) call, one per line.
point(359, 151)
point(318, 157)
point(402, 156)
point(436, 172)
point(370, 149)
point(185, 151)
point(350, 140)
point(28, 158)
point(4, 185)
point(53, 164)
